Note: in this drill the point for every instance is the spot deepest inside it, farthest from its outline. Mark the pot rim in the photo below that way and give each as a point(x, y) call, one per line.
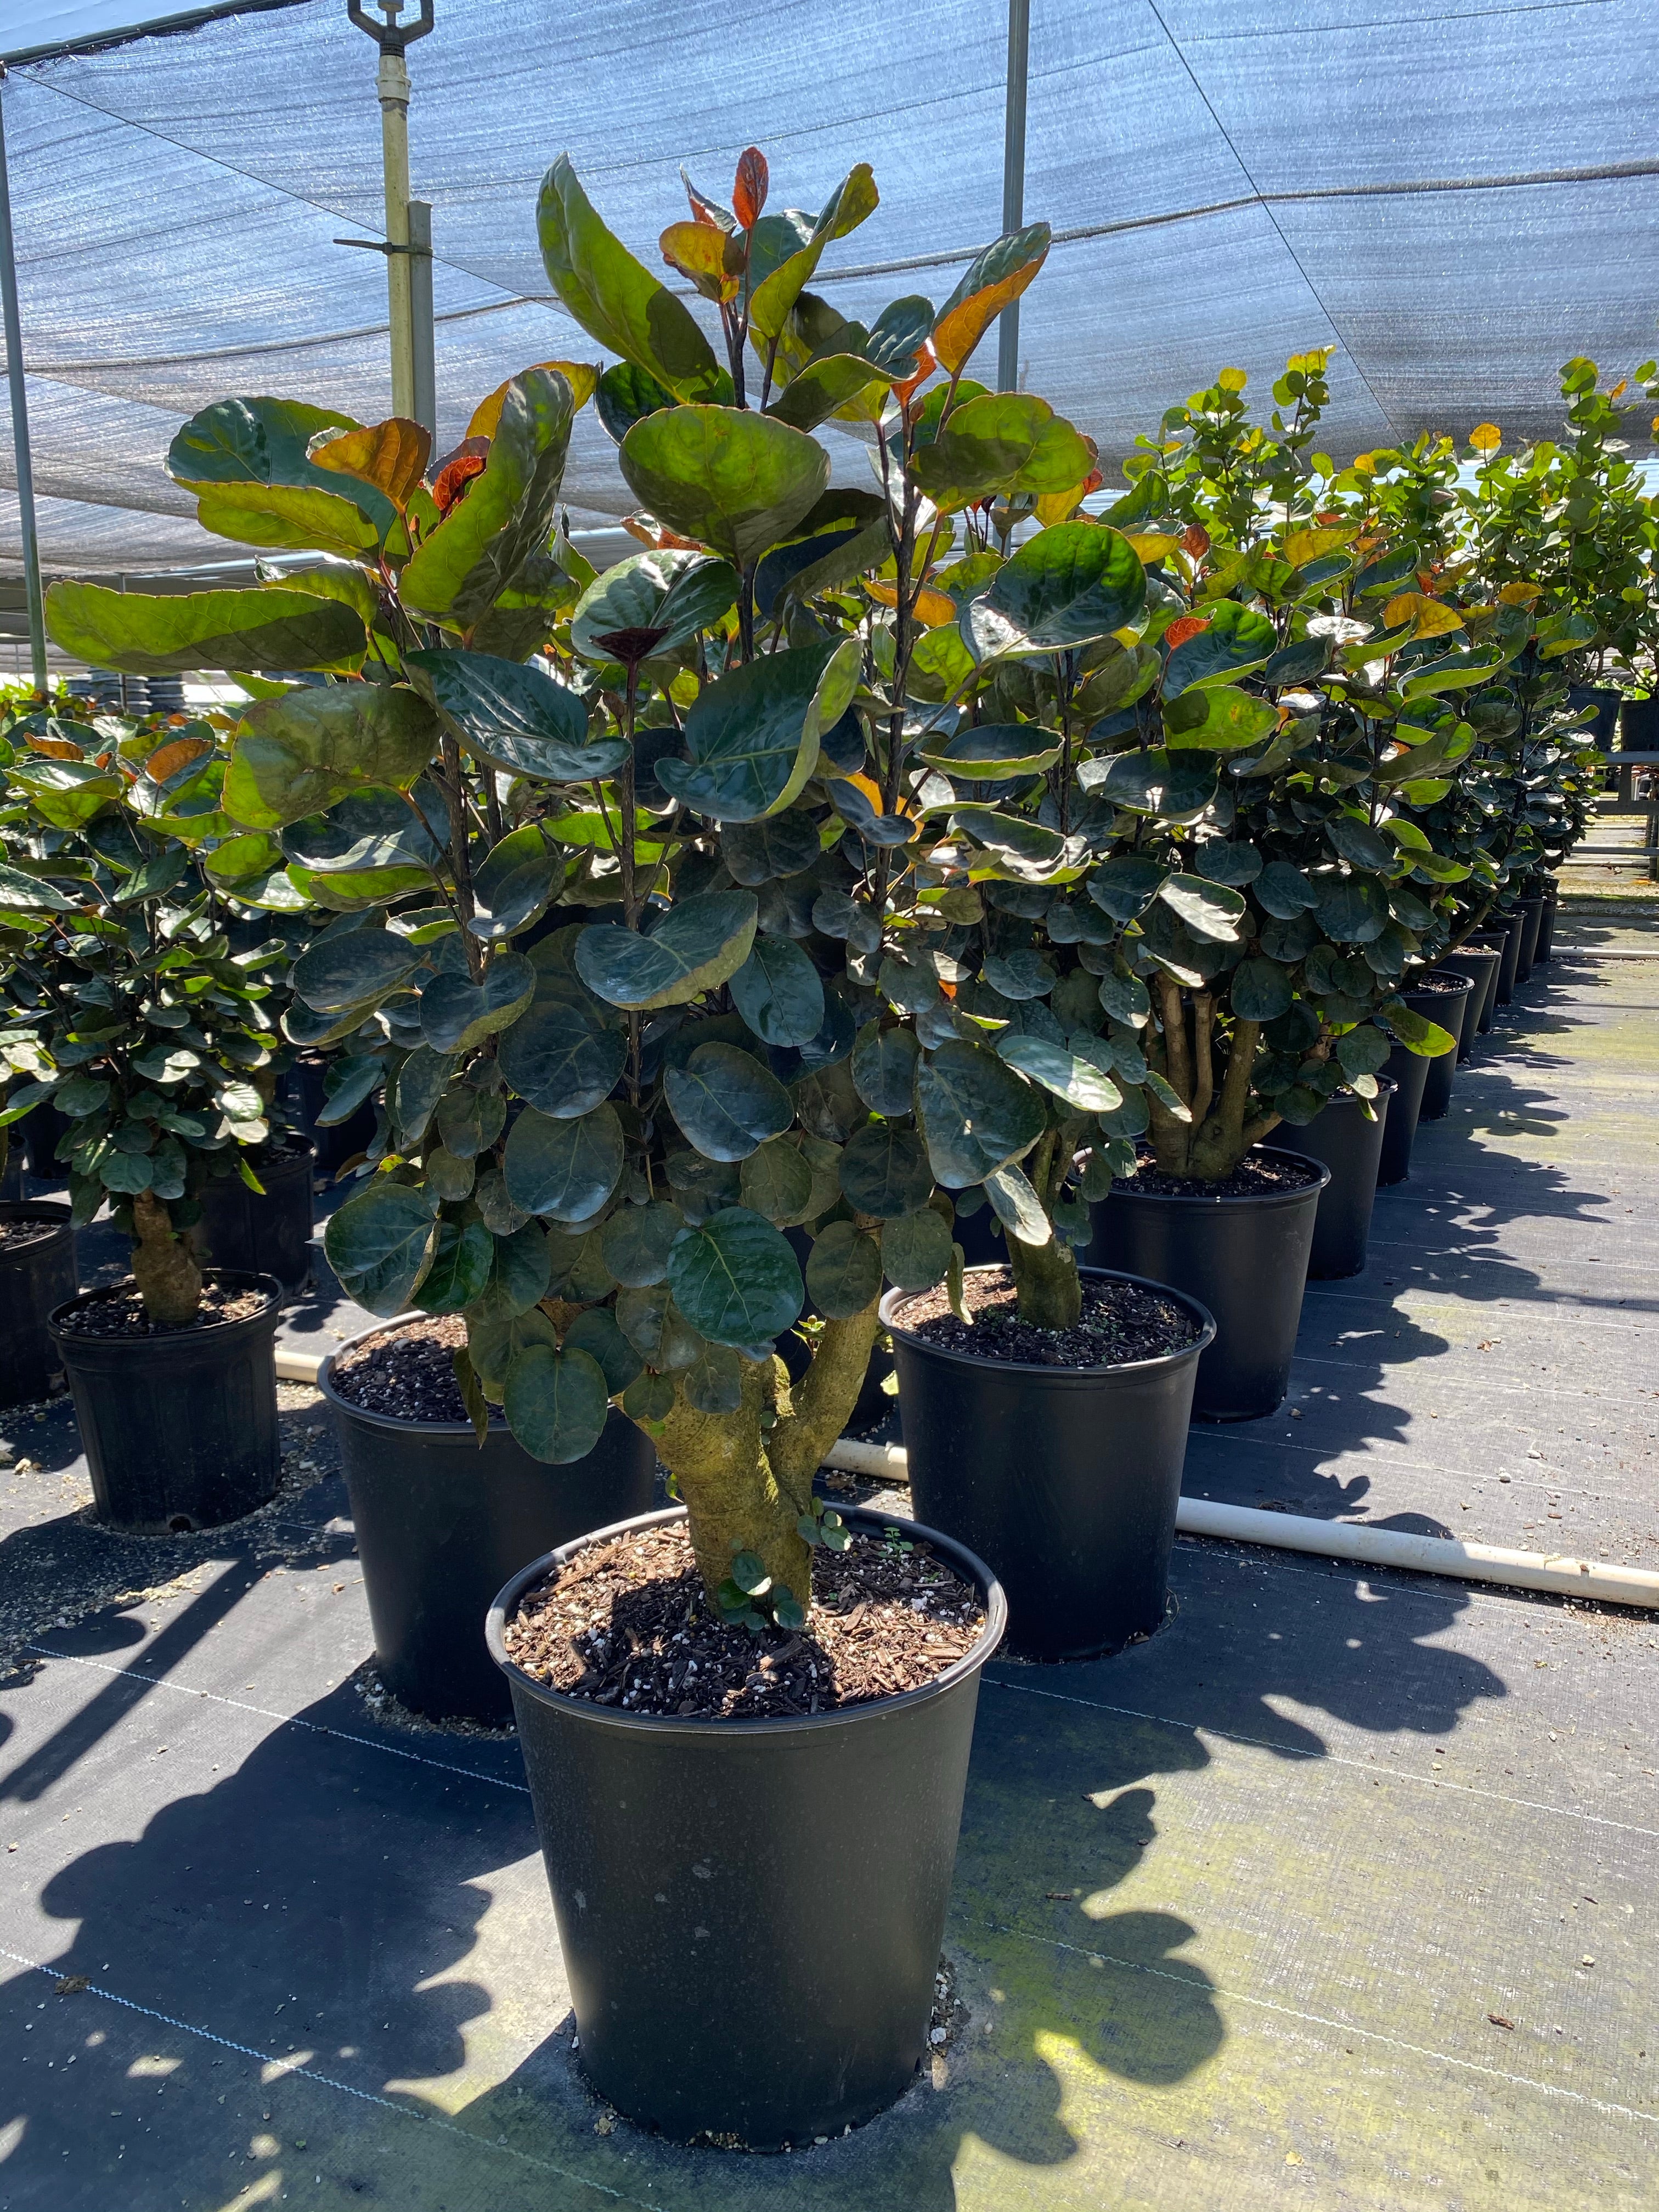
point(52, 1214)
point(1242, 1198)
point(719, 1734)
point(239, 1278)
point(1132, 1369)
point(1452, 985)
point(395, 1423)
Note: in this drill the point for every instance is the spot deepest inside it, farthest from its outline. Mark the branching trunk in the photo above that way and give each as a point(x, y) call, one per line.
point(1220, 1128)
point(746, 1477)
point(163, 1265)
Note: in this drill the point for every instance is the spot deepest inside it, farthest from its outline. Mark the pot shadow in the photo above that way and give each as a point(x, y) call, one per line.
point(308, 1909)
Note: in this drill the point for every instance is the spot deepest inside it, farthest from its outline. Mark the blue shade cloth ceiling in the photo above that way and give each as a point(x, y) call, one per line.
point(1457, 197)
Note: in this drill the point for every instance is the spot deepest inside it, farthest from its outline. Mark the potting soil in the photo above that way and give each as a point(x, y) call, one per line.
point(1119, 1323)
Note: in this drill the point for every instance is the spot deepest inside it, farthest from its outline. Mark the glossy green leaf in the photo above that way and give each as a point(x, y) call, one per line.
point(1414, 1030)
point(844, 1270)
point(665, 597)
point(726, 1103)
point(785, 249)
point(1069, 585)
point(615, 299)
point(637, 1241)
point(359, 967)
point(884, 1171)
point(379, 1243)
point(310, 747)
point(286, 518)
point(1236, 638)
point(1021, 974)
point(1284, 890)
point(486, 539)
point(779, 992)
point(777, 845)
point(1070, 1077)
point(1017, 1206)
point(596, 1333)
point(564, 1171)
point(156, 635)
point(885, 1068)
point(562, 1055)
point(556, 1403)
point(458, 1015)
point(1260, 990)
point(736, 1280)
point(1178, 786)
point(462, 1256)
point(65, 793)
point(246, 445)
point(1352, 909)
point(777, 1180)
point(624, 395)
point(1216, 718)
point(695, 946)
point(992, 280)
point(992, 750)
point(1006, 441)
point(975, 1113)
point(822, 388)
point(513, 886)
point(515, 717)
point(1210, 910)
point(915, 1249)
point(736, 480)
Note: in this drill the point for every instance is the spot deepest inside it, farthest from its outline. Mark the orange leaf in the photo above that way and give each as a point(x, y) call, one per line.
point(1521, 595)
point(580, 376)
point(749, 193)
point(961, 328)
point(1429, 617)
point(167, 760)
point(1183, 627)
point(706, 254)
point(657, 535)
point(932, 609)
point(391, 455)
point(1195, 540)
point(55, 748)
point(926, 362)
point(468, 460)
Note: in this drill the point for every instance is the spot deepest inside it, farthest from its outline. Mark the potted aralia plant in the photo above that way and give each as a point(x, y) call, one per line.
point(149, 1036)
point(619, 1056)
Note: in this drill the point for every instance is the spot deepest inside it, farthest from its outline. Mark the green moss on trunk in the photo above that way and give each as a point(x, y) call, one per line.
point(163, 1265)
point(1046, 1278)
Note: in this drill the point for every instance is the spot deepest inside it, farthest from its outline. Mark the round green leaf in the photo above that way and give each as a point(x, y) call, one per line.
point(1217, 719)
point(777, 1180)
point(885, 1068)
point(915, 1249)
point(659, 599)
point(726, 1103)
point(753, 734)
point(513, 717)
point(714, 1381)
point(756, 852)
point(779, 992)
point(1260, 990)
point(1209, 910)
point(1284, 890)
point(844, 1270)
point(1068, 585)
point(1021, 974)
point(461, 567)
point(596, 1333)
point(1353, 909)
point(1237, 638)
point(162, 634)
point(637, 1241)
point(462, 1259)
point(556, 1403)
point(648, 1399)
point(379, 1243)
point(470, 1117)
point(563, 1170)
point(457, 1016)
point(974, 1113)
point(736, 481)
point(310, 747)
point(736, 1278)
point(696, 946)
point(561, 1054)
point(513, 886)
point(884, 1171)
point(1077, 1080)
point(991, 751)
point(361, 967)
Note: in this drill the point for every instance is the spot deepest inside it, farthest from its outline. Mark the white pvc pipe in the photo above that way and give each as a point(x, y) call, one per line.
point(1350, 1539)
point(1288, 1532)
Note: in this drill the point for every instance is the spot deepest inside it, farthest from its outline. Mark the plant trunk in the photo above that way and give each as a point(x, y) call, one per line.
point(163, 1265)
point(746, 1477)
point(1046, 1278)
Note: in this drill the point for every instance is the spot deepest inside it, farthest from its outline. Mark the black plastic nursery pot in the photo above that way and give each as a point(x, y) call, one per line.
point(442, 1521)
point(1350, 1143)
point(1479, 964)
point(1409, 1072)
point(1449, 1007)
point(11, 1183)
point(180, 1425)
point(1546, 924)
point(37, 1273)
point(1510, 925)
point(1607, 703)
point(1531, 917)
point(1638, 725)
point(41, 1127)
point(751, 1911)
point(1493, 941)
point(1244, 1259)
point(268, 1233)
point(1064, 1479)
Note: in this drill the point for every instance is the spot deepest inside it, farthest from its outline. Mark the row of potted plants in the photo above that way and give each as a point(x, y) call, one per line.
point(851, 884)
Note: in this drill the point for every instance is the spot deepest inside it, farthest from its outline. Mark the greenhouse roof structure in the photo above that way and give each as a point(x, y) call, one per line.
point(1457, 196)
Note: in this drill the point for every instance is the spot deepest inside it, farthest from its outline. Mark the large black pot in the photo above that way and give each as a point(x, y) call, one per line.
point(1546, 924)
point(1479, 964)
point(1245, 1259)
point(1410, 1074)
point(1605, 701)
point(268, 1233)
point(751, 1911)
point(35, 1277)
point(1493, 941)
point(180, 1426)
point(42, 1126)
point(1531, 917)
point(1450, 1009)
point(11, 1183)
point(1066, 1479)
point(1350, 1143)
point(1638, 725)
point(442, 1523)
point(1510, 926)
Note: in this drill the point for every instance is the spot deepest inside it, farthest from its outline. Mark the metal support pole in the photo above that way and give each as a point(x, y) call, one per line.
point(392, 84)
point(423, 345)
point(1013, 179)
point(19, 425)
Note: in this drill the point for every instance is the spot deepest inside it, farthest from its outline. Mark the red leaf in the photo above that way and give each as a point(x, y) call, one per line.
point(452, 480)
point(1195, 538)
point(749, 193)
point(1183, 627)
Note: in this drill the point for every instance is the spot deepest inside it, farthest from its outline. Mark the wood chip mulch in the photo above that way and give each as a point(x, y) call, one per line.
point(29, 1231)
point(1119, 1323)
point(626, 1625)
point(120, 1312)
